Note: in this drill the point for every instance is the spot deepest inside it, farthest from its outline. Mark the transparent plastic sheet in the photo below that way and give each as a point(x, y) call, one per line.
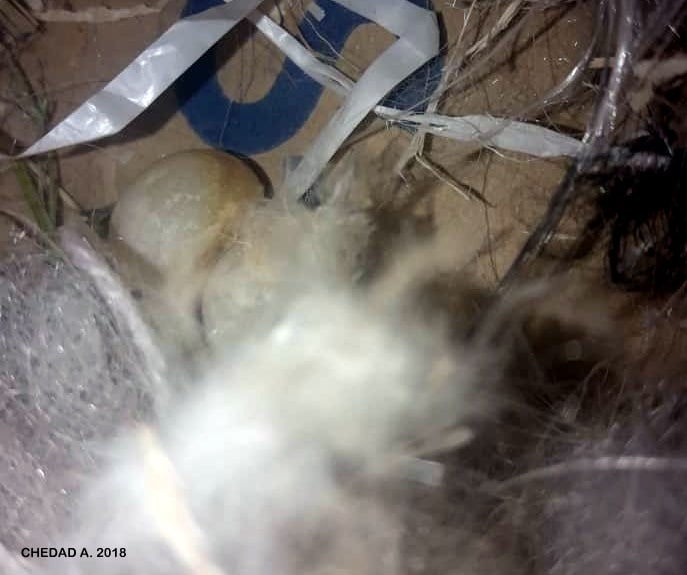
point(138, 85)
point(621, 16)
point(607, 110)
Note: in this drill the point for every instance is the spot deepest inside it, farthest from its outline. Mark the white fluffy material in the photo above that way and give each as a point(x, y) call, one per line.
point(279, 455)
point(275, 460)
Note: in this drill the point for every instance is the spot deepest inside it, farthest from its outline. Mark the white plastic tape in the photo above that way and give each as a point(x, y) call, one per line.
point(490, 131)
point(322, 73)
point(154, 70)
point(142, 81)
point(418, 42)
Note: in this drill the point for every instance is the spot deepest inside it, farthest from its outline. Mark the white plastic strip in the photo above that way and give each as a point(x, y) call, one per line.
point(322, 73)
point(142, 81)
point(491, 131)
point(418, 42)
point(134, 89)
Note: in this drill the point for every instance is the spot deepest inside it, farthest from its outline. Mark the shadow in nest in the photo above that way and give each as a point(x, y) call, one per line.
point(642, 204)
